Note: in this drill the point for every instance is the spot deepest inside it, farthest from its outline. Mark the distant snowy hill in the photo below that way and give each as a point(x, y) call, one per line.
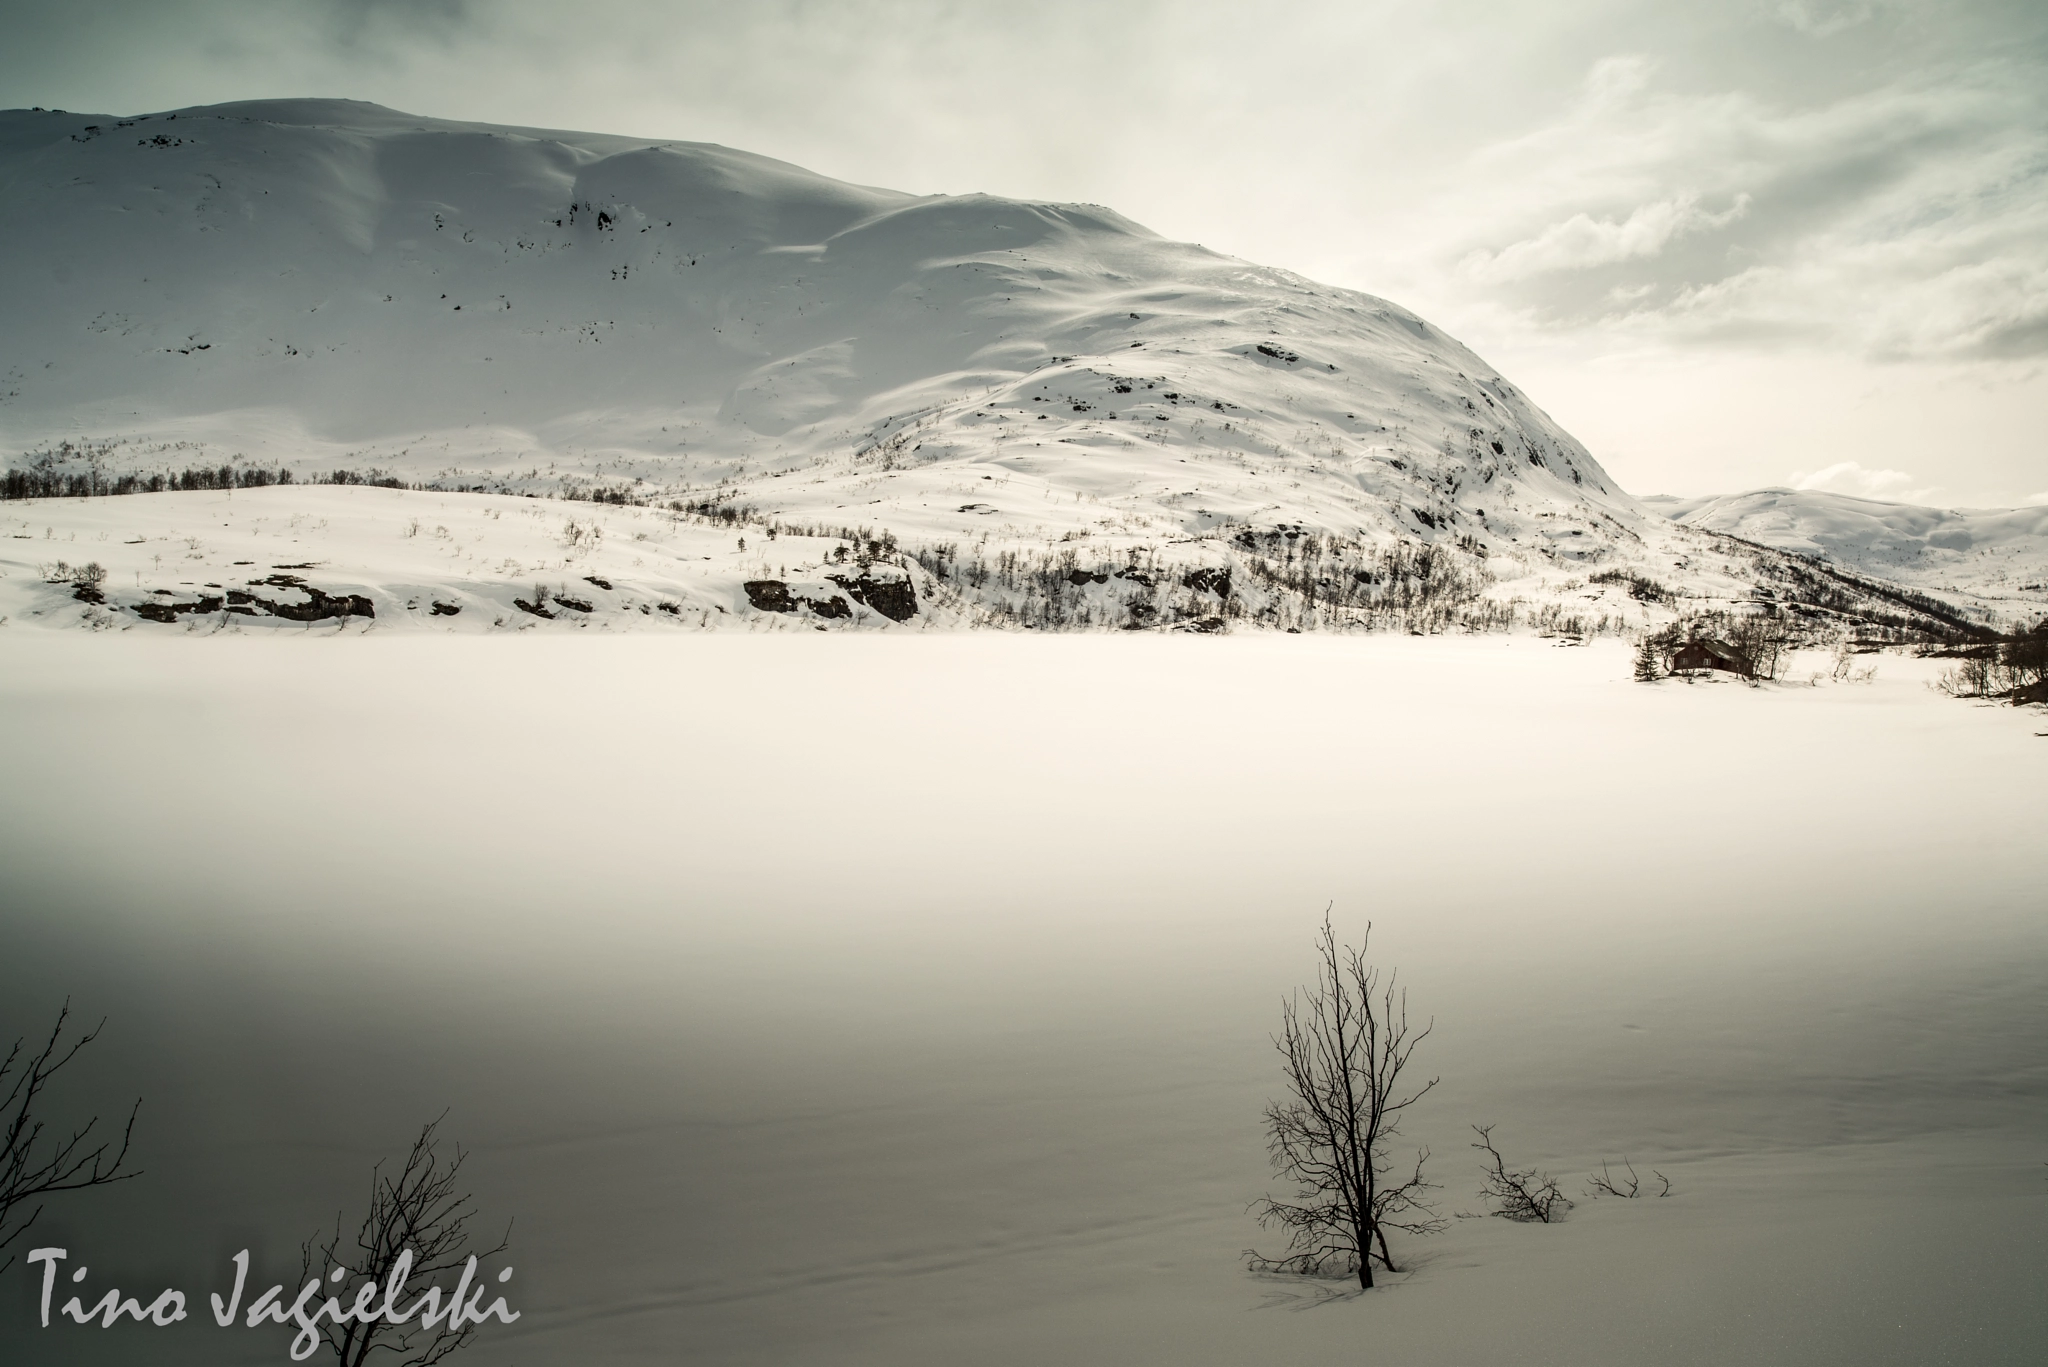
point(1999, 556)
point(1041, 414)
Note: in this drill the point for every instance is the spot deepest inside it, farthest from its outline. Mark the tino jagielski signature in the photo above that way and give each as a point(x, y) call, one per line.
point(370, 1306)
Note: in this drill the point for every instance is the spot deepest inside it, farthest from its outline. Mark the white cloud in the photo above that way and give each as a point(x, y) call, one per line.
point(1850, 477)
point(1583, 241)
point(2035, 500)
point(1613, 79)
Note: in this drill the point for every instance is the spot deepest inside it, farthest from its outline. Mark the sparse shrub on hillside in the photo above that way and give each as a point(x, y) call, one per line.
point(718, 508)
point(374, 478)
point(1641, 589)
point(618, 495)
point(1285, 578)
point(1827, 594)
point(1413, 586)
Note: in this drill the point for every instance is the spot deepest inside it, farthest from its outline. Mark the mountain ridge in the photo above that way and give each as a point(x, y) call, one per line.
point(1994, 556)
point(316, 287)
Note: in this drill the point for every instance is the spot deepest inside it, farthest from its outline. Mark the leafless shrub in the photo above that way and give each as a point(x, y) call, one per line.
point(1629, 1187)
point(1520, 1193)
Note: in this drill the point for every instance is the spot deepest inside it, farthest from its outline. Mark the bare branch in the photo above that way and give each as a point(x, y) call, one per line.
point(417, 1216)
point(30, 1165)
point(1607, 1184)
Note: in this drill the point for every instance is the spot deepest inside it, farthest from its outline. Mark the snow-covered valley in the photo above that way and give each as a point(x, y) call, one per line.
point(533, 625)
point(907, 999)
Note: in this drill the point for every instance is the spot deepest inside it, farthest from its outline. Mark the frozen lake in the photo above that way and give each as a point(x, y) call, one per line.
point(904, 1000)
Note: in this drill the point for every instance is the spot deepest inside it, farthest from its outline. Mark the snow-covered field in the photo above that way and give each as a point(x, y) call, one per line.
point(905, 999)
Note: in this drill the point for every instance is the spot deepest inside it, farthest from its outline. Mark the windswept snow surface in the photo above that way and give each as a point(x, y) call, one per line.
point(1998, 556)
point(1014, 392)
point(902, 1000)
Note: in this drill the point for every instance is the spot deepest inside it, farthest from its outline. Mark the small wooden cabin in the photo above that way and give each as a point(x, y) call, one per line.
point(1705, 653)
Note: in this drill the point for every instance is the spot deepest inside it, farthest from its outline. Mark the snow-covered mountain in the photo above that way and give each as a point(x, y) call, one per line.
point(1998, 556)
point(1018, 412)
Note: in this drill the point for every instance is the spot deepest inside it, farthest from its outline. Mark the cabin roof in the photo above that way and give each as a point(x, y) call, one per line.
point(1709, 646)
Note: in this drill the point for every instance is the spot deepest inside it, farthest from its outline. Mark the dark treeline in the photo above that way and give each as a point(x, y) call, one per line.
point(45, 480)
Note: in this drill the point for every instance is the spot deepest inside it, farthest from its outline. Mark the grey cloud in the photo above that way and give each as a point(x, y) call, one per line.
point(2023, 337)
point(376, 23)
point(1719, 217)
point(1821, 18)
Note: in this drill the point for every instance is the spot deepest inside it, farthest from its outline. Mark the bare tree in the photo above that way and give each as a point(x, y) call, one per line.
point(417, 1226)
point(1521, 1194)
point(1760, 643)
point(31, 1167)
point(1345, 1044)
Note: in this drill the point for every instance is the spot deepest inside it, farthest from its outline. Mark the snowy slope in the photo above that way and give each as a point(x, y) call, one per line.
point(1997, 555)
point(1044, 408)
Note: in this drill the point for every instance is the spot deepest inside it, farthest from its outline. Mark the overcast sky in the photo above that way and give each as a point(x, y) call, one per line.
point(1727, 245)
